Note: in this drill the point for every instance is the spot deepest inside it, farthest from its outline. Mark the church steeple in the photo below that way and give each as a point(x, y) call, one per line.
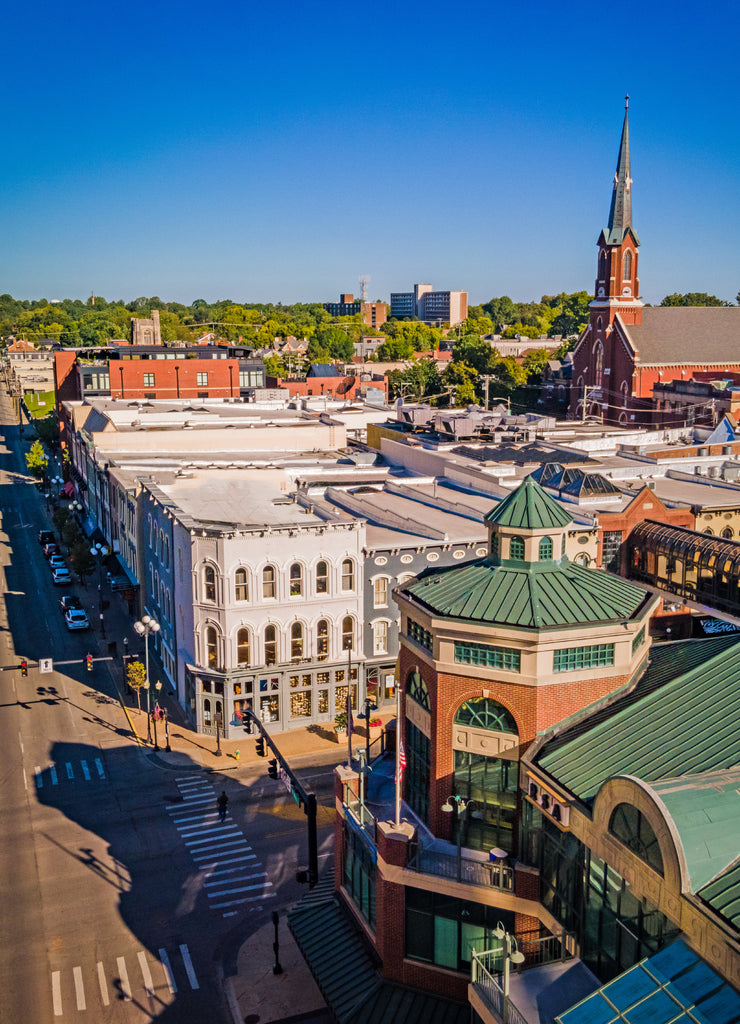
point(620, 213)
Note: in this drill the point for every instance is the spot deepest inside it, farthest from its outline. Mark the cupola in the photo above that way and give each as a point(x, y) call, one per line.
point(527, 529)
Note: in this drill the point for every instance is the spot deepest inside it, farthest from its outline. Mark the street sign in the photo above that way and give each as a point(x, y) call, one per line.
point(46, 665)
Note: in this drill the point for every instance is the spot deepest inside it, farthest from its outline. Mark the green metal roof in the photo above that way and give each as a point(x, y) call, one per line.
point(345, 970)
point(687, 725)
point(723, 894)
point(534, 595)
point(529, 507)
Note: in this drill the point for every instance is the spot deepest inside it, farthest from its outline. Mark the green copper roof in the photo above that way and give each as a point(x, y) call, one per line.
point(688, 725)
point(723, 893)
point(529, 507)
point(533, 596)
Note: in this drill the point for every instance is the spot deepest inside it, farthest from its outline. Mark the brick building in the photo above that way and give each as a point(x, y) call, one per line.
point(374, 314)
point(627, 348)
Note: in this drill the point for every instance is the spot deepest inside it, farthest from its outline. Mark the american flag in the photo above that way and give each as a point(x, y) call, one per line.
point(401, 762)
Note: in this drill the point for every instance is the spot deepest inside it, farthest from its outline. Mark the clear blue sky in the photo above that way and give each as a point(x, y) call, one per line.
point(275, 152)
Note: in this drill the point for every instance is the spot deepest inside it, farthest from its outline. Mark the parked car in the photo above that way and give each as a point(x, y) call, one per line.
point(70, 601)
point(76, 618)
point(50, 549)
point(61, 576)
point(57, 562)
point(46, 537)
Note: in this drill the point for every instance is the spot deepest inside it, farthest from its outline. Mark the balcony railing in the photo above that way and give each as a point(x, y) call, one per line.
point(473, 872)
point(487, 967)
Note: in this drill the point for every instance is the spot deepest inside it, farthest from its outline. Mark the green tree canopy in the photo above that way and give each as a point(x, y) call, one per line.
point(692, 299)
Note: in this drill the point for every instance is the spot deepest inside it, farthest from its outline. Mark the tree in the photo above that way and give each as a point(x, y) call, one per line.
point(83, 562)
point(48, 430)
point(275, 367)
point(136, 678)
point(692, 299)
point(463, 379)
point(475, 352)
point(534, 362)
point(97, 329)
point(37, 460)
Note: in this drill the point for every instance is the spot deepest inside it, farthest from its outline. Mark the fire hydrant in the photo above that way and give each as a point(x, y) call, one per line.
point(236, 755)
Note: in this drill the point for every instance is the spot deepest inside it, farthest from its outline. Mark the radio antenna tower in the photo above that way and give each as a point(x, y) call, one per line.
point(364, 278)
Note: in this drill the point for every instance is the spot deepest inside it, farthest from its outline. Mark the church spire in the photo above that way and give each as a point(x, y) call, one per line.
point(620, 213)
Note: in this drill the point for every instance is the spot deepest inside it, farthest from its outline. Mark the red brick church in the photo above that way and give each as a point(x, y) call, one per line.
point(627, 347)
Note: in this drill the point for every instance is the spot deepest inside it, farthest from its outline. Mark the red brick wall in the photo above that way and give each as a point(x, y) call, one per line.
point(645, 505)
point(174, 378)
point(66, 388)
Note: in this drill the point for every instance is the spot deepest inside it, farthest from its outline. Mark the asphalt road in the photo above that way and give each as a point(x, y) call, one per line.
point(122, 896)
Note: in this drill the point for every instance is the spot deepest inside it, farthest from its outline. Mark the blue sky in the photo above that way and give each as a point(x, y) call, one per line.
point(275, 152)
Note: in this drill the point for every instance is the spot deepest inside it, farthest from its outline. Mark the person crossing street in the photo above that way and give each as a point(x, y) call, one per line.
point(222, 802)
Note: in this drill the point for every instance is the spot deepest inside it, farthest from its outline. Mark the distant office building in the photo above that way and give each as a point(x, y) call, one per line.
point(432, 307)
point(373, 313)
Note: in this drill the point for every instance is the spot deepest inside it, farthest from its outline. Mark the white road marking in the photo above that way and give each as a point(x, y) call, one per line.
point(56, 992)
point(204, 855)
point(99, 766)
point(190, 841)
point(146, 973)
point(190, 831)
point(25, 780)
point(169, 977)
point(244, 878)
point(197, 817)
point(239, 888)
point(79, 988)
point(189, 967)
point(245, 899)
point(103, 984)
point(53, 773)
point(70, 770)
point(189, 805)
point(238, 863)
point(85, 770)
point(39, 778)
point(123, 977)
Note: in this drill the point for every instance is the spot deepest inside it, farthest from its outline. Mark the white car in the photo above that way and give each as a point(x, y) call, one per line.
point(76, 618)
point(61, 576)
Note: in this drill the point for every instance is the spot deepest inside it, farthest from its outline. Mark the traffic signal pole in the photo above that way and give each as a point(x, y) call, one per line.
point(302, 797)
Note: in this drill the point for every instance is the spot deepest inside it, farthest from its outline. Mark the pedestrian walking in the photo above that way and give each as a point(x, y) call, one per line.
point(222, 802)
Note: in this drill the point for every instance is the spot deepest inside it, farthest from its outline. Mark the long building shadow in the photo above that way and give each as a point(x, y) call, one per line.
point(187, 889)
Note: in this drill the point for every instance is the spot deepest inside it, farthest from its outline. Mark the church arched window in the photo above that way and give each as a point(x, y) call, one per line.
point(627, 266)
point(598, 363)
point(602, 265)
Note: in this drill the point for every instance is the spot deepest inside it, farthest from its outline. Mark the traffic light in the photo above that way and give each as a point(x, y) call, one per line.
point(89, 662)
point(272, 768)
point(24, 667)
point(260, 746)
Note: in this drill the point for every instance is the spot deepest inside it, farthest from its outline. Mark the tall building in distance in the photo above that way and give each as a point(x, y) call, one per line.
point(373, 313)
point(430, 306)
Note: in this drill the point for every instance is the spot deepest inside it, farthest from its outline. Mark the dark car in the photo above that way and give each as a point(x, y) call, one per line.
point(50, 549)
point(46, 537)
point(70, 601)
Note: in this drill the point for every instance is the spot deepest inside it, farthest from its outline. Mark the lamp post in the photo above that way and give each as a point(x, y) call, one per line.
point(144, 627)
point(55, 482)
point(99, 552)
point(459, 805)
point(157, 712)
point(511, 956)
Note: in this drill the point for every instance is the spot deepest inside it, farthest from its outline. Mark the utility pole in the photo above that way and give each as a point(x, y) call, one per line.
point(587, 389)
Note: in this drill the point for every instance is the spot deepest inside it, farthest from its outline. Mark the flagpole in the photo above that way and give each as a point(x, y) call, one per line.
point(398, 752)
point(348, 708)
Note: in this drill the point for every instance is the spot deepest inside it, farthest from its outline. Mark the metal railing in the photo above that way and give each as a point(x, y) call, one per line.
point(493, 994)
point(471, 872)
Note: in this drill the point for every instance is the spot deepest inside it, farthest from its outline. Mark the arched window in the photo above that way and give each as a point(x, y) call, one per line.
point(206, 712)
point(417, 690)
point(296, 641)
point(150, 525)
point(348, 633)
point(322, 640)
point(380, 637)
point(322, 577)
point(348, 574)
point(727, 533)
point(545, 549)
point(296, 580)
point(380, 592)
point(242, 647)
point(627, 266)
point(242, 585)
point(598, 363)
point(484, 713)
point(516, 549)
point(211, 647)
point(624, 388)
point(209, 583)
point(633, 829)
point(602, 265)
point(269, 588)
point(270, 645)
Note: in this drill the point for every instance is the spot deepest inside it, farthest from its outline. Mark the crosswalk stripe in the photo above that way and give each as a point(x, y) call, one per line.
point(53, 773)
point(190, 841)
point(189, 967)
point(123, 978)
point(244, 878)
point(189, 805)
point(189, 831)
point(99, 766)
point(204, 854)
point(85, 770)
point(70, 770)
point(238, 863)
point(146, 973)
point(169, 977)
point(79, 988)
point(245, 899)
point(39, 777)
point(56, 992)
point(201, 816)
point(103, 984)
point(239, 888)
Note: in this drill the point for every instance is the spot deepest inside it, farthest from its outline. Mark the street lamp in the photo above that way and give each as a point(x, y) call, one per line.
point(99, 551)
point(55, 482)
point(144, 627)
point(460, 806)
point(157, 712)
point(511, 956)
